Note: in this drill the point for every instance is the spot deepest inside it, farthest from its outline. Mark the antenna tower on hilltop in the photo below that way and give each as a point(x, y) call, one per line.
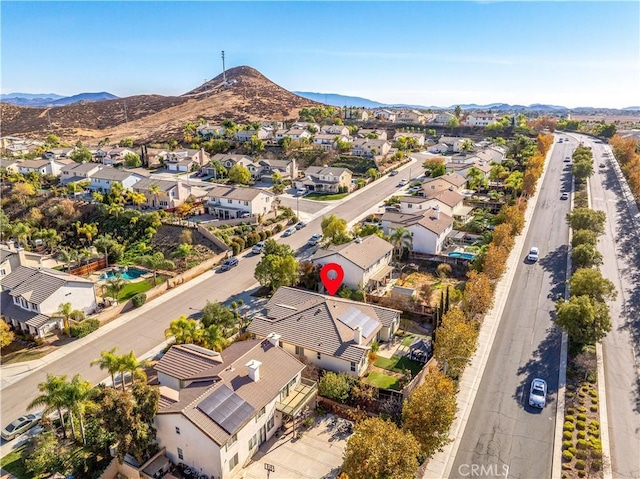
point(224, 74)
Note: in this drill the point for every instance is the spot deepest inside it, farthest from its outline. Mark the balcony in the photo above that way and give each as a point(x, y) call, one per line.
point(299, 398)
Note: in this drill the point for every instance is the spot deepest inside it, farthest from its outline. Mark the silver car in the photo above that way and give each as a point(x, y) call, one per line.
point(538, 393)
point(20, 425)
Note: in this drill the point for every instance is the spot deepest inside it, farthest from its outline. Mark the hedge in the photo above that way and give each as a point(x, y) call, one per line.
point(139, 299)
point(83, 328)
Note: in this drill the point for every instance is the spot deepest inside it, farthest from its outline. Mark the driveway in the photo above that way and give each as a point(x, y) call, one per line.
point(315, 454)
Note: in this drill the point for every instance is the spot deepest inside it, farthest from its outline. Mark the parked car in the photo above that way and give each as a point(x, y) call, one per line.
point(246, 214)
point(414, 189)
point(538, 393)
point(229, 263)
point(393, 173)
point(403, 182)
point(289, 231)
point(20, 425)
point(602, 165)
point(533, 255)
point(301, 225)
point(567, 159)
point(564, 195)
point(315, 239)
point(258, 247)
point(392, 209)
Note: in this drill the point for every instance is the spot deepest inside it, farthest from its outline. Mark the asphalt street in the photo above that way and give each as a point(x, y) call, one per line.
point(620, 248)
point(504, 436)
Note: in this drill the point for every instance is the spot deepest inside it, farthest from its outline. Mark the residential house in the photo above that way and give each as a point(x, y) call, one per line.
point(228, 404)
point(186, 160)
point(41, 166)
point(16, 149)
point(380, 134)
point(103, 179)
point(443, 118)
point(116, 155)
point(332, 333)
point(13, 255)
point(243, 136)
point(480, 119)
point(229, 202)
point(169, 194)
point(464, 168)
point(419, 137)
point(335, 130)
point(153, 157)
point(492, 154)
point(365, 261)
point(306, 125)
point(229, 161)
point(385, 115)
point(326, 179)
point(99, 153)
point(287, 168)
point(429, 229)
point(211, 131)
point(356, 114)
point(449, 181)
point(56, 153)
point(297, 133)
point(10, 165)
point(410, 116)
point(438, 148)
point(328, 142)
point(450, 202)
point(32, 296)
point(455, 143)
point(370, 148)
point(78, 172)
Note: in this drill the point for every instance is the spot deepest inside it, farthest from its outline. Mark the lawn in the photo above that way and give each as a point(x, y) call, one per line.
point(14, 463)
point(383, 381)
point(25, 355)
point(323, 197)
point(398, 364)
point(131, 289)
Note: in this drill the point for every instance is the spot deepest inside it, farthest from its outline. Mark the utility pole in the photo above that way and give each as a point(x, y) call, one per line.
point(224, 73)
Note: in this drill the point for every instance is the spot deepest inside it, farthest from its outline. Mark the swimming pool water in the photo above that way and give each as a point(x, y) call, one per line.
point(129, 274)
point(457, 254)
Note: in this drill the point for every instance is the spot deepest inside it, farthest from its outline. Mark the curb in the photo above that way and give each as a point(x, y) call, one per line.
point(607, 472)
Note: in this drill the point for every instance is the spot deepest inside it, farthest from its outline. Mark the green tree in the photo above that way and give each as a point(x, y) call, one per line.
point(585, 256)
point(478, 294)
point(52, 141)
point(373, 173)
point(216, 314)
point(184, 251)
point(79, 394)
point(515, 182)
point(584, 237)
point(81, 155)
point(457, 111)
point(155, 262)
point(585, 320)
point(272, 247)
point(334, 228)
point(254, 145)
point(589, 282)
point(378, 449)
point(134, 366)
point(110, 361)
point(453, 123)
point(67, 256)
point(582, 170)
point(22, 192)
point(154, 191)
point(211, 337)
point(126, 142)
point(336, 386)
point(43, 455)
point(475, 178)
point(467, 145)
point(434, 167)
point(401, 239)
point(239, 174)
point(275, 271)
point(184, 330)
point(456, 341)
point(6, 335)
point(587, 219)
point(115, 285)
point(132, 160)
point(430, 411)
point(65, 310)
point(53, 397)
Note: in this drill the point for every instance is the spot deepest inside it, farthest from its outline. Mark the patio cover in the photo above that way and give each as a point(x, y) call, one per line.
point(380, 275)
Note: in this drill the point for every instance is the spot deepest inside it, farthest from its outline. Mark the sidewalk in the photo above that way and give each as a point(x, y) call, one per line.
point(440, 465)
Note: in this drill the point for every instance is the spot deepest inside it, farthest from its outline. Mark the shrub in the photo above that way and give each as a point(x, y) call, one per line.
point(592, 378)
point(236, 249)
point(594, 400)
point(582, 409)
point(570, 410)
point(593, 393)
point(594, 432)
point(582, 417)
point(567, 435)
point(580, 465)
point(581, 425)
point(596, 464)
point(567, 456)
point(569, 394)
point(582, 444)
point(240, 242)
point(263, 235)
point(582, 474)
point(582, 394)
point(568, 426)
point(444, 270)
point(573, 450)
point(569, 418)
point(278, 228)
point(335, 386)
point(594, 425)
point(139, 299)
point(593, 408)
point(582, 434)
point(582, 455)
point(571, 387)
point(567, 444)
point(85, 327)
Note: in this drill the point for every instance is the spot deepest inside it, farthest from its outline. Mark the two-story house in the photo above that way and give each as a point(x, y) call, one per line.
point(329, 332)
point(443, 118)
point(378, 134)
point(186, 160)
point(116, 155)
point(449, 201)
point(324, 178)
point(287, 168)
point(429, 229)
point(369, 147)
point(162, 194)
point(9, 164)
point(229, 202)
point(103, 179)
point(385, 115)
point(32, 296)
point(217, 409)
point(243, 136)
point(229, 161)
point(365, 261)
point(328, 142)
point(43, 167)
point(356, 114)
point(480, 119)
point(419, 137)
point(410, 116)
point(449, 181)
point(211, 131)
point(335, 130)
point(76, 172)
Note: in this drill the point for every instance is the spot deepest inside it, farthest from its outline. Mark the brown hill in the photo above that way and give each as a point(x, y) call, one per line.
point(246, 96)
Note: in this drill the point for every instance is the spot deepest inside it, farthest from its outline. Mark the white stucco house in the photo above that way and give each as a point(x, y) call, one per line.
point(103, 179)
point(78, 172)
point(32, 296)
point(449, 181)
point(43, 167)
point(229, 202)
point(326, 179)
point(429, 229)
point(443, 118)
point(450, 202)
point(365, 261)
point(186, 160)
point(480, 119)
point(329, 332)
point(217, 409)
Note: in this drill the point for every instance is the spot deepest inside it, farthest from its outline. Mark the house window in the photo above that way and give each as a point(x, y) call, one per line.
point(261, 413)
point(271, 422)
point(233, 462)
point(177, 430)
point(353, 366)
point(246, 203)
point(230, 201)
point(164, 203)
point(232, 440)
point(299, 351)
point(180, 455)
point(319, 356)
point(253, 441)
point(409, 206)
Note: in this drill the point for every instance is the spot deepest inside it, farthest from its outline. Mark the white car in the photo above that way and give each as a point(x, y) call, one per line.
point(534, 254)
point(538, 393)
point(403, 182)
point(258, 247)
point(289, 231)
point(414, 189)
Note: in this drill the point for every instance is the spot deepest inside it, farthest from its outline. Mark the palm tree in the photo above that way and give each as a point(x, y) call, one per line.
point(154, 189)
point(184, 251)
point(115, 285)
point(212, 338)
point(401, 239)
point(131, 364)
point(110, 361)
point(53, 397)
point(22, 232)
point(155, 262)
point(67, 256)
point(137, 199)
point(185, 331)
point(78, 394)
point(65, 310)
point(115, 209)
point(475, 177)
point(514, 182)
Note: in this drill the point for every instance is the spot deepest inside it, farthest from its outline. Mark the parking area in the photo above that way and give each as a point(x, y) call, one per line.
point(316, 454)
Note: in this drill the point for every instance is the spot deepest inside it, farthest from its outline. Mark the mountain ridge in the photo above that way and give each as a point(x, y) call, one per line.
point(53, 99)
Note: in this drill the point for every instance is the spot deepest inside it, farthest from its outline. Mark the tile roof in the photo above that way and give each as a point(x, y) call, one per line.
point(30, 318)
point(237, 193)
point(145, 183)
point(448, 197)
point(325, 171)
point(114, 174)
point(36, 285)
point(34, 163)
point(311, 320)
point(81, 167)
point(436, 225)
point(363, 253)
point(277, 369)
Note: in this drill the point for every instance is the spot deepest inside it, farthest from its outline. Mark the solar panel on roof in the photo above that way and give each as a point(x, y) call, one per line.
point(201, 350)
point(226, 409)
point(353, 317)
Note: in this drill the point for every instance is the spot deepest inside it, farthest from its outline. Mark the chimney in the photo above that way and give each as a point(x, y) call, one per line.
point(357, 335)
point(436, 210)
point(274, 339)
point(253, 367)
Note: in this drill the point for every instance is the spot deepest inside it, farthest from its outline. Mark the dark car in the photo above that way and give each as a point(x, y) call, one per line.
point(393, 173)
point(229, 263)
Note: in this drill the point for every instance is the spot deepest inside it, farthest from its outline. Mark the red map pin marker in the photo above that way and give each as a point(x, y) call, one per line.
point(332, 276)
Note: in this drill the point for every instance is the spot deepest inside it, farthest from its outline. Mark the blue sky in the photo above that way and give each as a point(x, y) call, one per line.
point(429, 53)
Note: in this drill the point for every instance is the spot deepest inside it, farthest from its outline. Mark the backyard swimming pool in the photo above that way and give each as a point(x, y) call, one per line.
point(128, 274)
point(458, 254)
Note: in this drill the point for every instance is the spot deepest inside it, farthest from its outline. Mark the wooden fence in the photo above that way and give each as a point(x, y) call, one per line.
point(86, 269)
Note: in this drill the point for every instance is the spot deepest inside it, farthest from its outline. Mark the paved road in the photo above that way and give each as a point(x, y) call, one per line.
point(147, 330)
point(620, 247)
point(504, 432)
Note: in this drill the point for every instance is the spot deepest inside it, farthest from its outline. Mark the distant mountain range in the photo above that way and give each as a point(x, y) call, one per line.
point(52, 99)
point(335, 99)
